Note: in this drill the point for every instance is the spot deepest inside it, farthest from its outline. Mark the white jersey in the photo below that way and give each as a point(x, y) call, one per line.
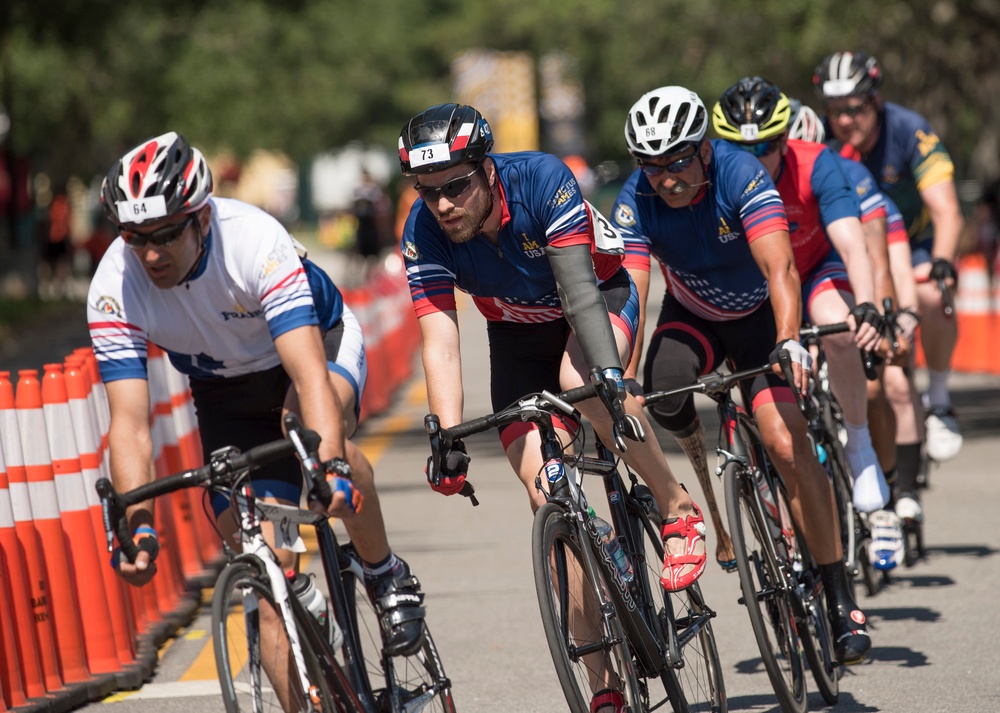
point(249, 288)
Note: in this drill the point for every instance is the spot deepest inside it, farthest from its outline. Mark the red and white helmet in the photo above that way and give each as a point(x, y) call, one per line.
point(805, 123)
point(161, 177)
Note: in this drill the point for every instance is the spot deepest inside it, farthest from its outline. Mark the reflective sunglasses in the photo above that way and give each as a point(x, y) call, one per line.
point(451, 190)
point(851, 111)
point(160, 238)
point(764, 148)
point(678, 166)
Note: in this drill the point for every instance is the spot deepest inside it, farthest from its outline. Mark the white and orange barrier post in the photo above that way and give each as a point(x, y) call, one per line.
point(34, 625)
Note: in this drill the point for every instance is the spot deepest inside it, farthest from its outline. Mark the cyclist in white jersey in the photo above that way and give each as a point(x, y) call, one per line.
point(219, 285)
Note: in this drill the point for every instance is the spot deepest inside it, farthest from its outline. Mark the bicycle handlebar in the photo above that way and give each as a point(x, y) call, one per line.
point(222, 466)
point(814, 331)
point(536, 408)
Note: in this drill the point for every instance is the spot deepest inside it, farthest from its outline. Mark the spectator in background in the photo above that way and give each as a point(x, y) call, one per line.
point(986, 219)
point(371, 209)
point(407, 195)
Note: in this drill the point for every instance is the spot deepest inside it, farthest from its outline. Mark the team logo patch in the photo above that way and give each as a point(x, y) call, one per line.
point(890, 175)
point(624, 215)
point(858, 616)
point(565, 192)
point(410, 251)
point(754, 184)
point(109, 305)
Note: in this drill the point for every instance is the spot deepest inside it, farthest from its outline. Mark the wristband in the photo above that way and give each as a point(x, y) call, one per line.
point(338, 467)
point(145, 530)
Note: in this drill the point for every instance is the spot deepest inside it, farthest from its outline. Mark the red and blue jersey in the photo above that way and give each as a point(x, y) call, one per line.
point(512, 280)
point(815, 192)
point(908, 158)
point(871, 200)
point(704, 248)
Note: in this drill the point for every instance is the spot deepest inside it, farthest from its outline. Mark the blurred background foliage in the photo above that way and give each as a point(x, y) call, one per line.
point(83, 80)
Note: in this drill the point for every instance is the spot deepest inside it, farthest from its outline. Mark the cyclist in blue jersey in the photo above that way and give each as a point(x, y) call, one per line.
point(913, 168)
point(218, 285)
point(711, 215)
point(545, 269)
point(831, 255)
point(891, 412)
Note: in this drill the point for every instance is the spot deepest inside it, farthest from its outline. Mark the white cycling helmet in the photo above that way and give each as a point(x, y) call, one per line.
point(805, 123)
point(664, 121)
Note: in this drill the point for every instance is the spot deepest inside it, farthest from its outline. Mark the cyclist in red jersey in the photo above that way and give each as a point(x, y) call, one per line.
point(830, 255)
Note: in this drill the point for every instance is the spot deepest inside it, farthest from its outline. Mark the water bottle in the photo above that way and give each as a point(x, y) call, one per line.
point(315, 603)
point(611, 545)
point(821, 454)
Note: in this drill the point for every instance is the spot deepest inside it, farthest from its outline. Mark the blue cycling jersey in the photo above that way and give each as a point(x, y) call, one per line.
point(704, 248)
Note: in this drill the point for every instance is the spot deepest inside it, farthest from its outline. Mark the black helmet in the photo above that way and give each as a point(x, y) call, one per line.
point(751, 110)
point(847, 74)
point(161, 177)
point(443, 136)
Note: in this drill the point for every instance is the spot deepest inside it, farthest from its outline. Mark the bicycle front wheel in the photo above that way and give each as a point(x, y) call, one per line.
point(588, 645)
point(256, 668)
point(764, 587)
point(696, 685)
point(399, 683)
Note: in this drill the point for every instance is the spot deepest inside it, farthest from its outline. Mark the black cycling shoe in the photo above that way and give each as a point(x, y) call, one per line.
point(851, 640)
point(397, 600)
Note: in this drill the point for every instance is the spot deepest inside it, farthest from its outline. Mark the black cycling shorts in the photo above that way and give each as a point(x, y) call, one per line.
point(684, 347)
point(525, 358)
point(245, 411)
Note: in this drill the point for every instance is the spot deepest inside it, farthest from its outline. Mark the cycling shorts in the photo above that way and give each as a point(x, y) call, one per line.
point(684, 347)
point(526, 358)
point(245, 411)
point(830, 274)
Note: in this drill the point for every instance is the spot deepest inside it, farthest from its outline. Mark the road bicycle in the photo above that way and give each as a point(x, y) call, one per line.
point(356, 678)
point(605, 628)
point(826, 428)
point(780, 581)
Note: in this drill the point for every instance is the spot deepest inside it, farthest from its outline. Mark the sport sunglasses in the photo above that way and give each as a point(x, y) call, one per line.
point(160, 238)
point(677, 166)
point(851, 111)
point(452, 189)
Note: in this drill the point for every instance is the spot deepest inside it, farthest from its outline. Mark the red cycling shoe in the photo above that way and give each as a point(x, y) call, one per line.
point(681, 570)
point(603, 699)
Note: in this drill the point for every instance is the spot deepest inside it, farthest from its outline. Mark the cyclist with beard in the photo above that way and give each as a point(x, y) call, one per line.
point(711, 215)
point(545, 269)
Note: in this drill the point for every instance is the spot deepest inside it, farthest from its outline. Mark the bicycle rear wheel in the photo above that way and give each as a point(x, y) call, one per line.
point(254, 674)
point(765, 589)
point(588, 645)
point(415, 683)
point(697, 685)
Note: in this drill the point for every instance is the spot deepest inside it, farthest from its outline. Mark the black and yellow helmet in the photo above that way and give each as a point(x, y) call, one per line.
point(750, 111)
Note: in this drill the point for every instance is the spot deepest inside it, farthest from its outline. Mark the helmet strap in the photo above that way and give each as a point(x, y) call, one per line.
point(489, 211)
point(186, 280)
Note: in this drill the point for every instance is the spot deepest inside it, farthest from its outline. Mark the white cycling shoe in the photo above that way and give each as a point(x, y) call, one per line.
point(908, 509)
point(943, 439)
point(886, 548)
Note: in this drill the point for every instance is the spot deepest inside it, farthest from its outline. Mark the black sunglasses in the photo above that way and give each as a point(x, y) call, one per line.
point(161, 238)
point(678, 166)
point(851, 111)
point(452, 189)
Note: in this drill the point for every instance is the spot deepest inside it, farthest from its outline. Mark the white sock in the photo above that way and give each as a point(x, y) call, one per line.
point(871, 492)
point(937, 388)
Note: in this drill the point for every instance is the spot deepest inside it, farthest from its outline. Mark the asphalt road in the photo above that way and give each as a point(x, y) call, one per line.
point(934, 627)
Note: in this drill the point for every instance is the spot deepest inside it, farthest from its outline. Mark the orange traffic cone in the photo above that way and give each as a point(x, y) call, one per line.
point(172, 462)
point(972, 308)
point(45, 507)
point(33, 612)
point(98, 636)
point(13, 583)
point(186, 427)
point(88, 439)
